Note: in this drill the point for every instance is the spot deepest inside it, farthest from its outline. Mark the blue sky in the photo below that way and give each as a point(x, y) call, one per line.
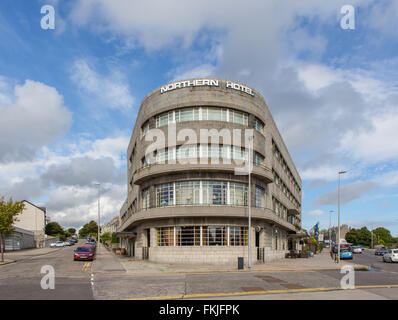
point(69, 97)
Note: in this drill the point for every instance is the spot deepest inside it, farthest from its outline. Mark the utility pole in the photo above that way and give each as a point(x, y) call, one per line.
point(338, 250)
point(330, 229)
point(249, 263)
point(99, 219)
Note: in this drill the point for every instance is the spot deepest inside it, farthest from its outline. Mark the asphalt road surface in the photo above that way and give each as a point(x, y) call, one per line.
point(75, 280)
point(22, 279)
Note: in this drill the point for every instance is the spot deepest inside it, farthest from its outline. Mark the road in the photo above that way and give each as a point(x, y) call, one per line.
point(21, 280)
point(75, 280)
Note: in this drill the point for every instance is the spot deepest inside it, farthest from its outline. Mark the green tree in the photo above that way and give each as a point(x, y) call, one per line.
point(54, 229)
point(72, 231)
point(364, 236)
point(105, 237)
point(383, 235)
point(114, 239)
point(352, 236)
point(8, 215)
point(89, 229)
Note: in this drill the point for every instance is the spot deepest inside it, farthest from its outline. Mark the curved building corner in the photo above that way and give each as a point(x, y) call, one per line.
point(187, 200)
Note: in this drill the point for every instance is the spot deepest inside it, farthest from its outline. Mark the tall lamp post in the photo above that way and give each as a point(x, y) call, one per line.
point(249, 263)
point(99, 219)
point(338, 250)
point(330, 229)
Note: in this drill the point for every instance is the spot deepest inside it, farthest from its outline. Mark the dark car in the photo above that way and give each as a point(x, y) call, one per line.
point(84, 253)
point(91, 244)
point(381, 252)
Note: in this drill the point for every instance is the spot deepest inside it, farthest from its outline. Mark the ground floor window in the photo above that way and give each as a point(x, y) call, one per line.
point(202, 236)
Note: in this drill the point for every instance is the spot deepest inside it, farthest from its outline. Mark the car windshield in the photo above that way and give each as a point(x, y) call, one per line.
point(394, 251)
point(83, 249)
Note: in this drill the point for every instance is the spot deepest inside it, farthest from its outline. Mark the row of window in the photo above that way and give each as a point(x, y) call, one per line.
point(201, 192)
point(202, 113)
point(202, 236)
point(281, 211)
point(202, 151)
point(279, 158)
point(279, 182)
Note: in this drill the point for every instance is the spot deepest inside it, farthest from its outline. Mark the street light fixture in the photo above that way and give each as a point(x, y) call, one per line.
point(330, 229)
point(338, 250)
point(249, 263)
point(99, 219)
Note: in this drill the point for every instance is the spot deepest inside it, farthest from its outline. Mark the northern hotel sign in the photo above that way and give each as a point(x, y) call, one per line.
point(205, 82)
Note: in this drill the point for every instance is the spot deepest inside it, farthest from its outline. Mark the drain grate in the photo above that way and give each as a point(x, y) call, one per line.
point(270, 279)
point(248, 289)
point(292, 286)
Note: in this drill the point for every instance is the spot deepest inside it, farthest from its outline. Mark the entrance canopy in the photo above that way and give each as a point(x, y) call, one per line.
point(126, 235)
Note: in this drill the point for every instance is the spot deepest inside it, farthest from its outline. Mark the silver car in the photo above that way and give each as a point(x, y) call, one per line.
point(356, 249)
point(57, 244)
point(391, 256)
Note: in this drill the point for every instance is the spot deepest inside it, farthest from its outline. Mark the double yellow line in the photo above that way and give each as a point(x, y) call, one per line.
point(86, 266)
point(245, 293)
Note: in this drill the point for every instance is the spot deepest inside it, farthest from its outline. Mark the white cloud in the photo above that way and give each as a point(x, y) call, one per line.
point(377, 144)
point(348, 193)
point(74, 206)
point(32, 118)
point(316, 213)
point(110, 91)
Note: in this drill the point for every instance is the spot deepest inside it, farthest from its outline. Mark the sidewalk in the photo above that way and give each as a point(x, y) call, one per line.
point(12, 256)
point(105, 261)
point(319, 262)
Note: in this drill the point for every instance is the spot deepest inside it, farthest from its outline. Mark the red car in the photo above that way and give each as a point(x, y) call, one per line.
point(84, 252)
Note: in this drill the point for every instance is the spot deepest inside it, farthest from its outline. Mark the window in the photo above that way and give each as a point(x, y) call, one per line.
point(258, 159)
point(258, 125)
point(166, 236)
point(145, 128)
point(146, 200)
point(186, 115)
point(214, 192)
point(214, 114)
point(259, 197)
point(187, 236)
point(238, 117)
point(202, 193)
point(162, 156)
point(238, 236)
point(165, 195)
point(162, 120)
point(216, 235)
point(211, 236)
point(187, 192)
point(238, 194)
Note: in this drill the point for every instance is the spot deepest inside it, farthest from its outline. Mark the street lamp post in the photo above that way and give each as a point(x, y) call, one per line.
point(338, 250)
point(249, 263)
point(99, 219)
point(330, 229)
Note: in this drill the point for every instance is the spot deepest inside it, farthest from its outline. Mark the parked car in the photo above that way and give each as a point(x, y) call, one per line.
point(356, 249)
point(84, 253)
point(67, 243)
point(345, 253)
point(381, 252)
point(342, 246)
point(391, 256)
point(57, 244)
point(91, 244)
